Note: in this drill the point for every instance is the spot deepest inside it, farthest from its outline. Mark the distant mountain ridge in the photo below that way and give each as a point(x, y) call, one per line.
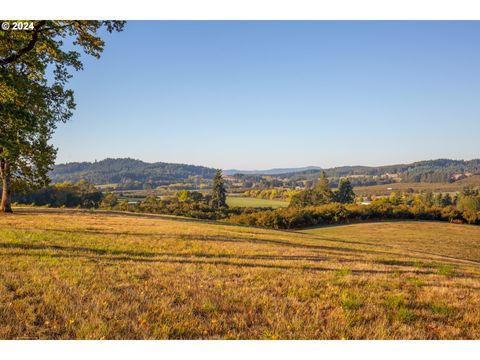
point(138, 174)
point(276, 171)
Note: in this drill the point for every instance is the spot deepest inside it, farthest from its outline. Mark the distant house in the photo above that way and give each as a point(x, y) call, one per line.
point(367, 202)
point(132, 203)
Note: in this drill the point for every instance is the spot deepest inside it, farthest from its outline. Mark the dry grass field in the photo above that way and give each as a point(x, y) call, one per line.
point(93, 275)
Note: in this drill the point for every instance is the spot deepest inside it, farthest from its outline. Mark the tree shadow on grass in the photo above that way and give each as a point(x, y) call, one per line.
point(330, 250)
point(102, 255)
point(221, 238)
point(114, 252)
point(228, 238)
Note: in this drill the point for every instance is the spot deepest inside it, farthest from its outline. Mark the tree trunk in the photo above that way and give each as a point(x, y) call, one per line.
point(6, 203)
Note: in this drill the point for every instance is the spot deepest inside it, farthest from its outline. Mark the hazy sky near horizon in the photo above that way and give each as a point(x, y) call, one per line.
point(255, 95)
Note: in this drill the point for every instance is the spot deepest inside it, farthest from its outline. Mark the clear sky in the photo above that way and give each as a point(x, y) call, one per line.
point(255, 95)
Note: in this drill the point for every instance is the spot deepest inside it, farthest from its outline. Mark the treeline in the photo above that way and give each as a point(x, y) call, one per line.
point(464, 207)
point(262, 182)
point(363, 181)
point(194, 205)
point(84, 195)
point(81, 194)
point(292, 218)
point(321, 206)
point(318, 206)
point(271, 194)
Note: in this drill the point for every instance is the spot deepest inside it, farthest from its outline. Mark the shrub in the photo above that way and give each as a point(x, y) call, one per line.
point(334, 213)
point(81, 194)
point(471, 216)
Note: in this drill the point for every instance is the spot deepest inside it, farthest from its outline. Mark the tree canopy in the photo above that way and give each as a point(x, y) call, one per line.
point(35, 68)
point(345, 194)
point(321, 194)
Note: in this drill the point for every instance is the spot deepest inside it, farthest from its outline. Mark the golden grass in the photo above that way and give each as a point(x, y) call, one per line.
point(99, 275)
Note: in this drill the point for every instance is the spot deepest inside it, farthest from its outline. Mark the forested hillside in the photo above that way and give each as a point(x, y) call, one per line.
point(276, 171)
point(440, 170)
point(130, 171)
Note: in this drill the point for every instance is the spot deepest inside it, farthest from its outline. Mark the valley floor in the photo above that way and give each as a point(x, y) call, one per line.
point(67, 274)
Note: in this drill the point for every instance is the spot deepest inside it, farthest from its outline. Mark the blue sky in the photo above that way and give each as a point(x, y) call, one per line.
point(255, 95)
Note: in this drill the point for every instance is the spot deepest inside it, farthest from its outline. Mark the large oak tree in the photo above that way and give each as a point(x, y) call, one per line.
point(35, 67)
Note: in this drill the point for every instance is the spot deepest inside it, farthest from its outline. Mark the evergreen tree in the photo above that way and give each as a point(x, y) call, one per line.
point(345, 194)
point(218, 194)
point(322, 193)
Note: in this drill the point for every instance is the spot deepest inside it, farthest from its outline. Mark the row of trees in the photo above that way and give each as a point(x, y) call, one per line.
point(462, 207)
point(467, 199)
point(84, 194)
point(322, 205)
point(334, 213)
point(271, 194)
point(81, 194)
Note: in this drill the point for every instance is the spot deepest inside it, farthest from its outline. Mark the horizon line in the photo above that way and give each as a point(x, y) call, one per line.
point(265, 169)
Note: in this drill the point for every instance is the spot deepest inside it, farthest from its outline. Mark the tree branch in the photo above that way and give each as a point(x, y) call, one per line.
point(10, 59)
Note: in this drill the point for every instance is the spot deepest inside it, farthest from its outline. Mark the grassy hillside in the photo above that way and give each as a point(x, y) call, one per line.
point(254, 202)
point(94, 275)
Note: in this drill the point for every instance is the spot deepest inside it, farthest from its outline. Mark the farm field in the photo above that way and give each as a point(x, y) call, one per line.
point(254, 202)
point(68, 274)
point(434, 187)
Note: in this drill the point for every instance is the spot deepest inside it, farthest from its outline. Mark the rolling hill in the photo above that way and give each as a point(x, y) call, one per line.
point(137, 173)
point(126, 170)
point(440, 170)
point(110, 275)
